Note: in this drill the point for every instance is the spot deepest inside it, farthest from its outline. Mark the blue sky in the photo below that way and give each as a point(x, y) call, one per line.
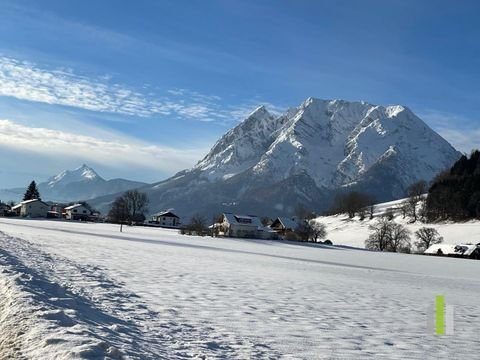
point(142, 89)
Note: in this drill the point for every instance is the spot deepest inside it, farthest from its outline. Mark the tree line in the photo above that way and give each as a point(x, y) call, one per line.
point(387, 235)
point(455, 193)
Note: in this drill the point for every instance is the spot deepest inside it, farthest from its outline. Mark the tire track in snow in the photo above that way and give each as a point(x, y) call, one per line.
point(85, 314)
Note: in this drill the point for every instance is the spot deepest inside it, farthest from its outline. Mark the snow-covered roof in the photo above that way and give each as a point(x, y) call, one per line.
point(248, 220)
point(74, 206)
point(167, 213)
point(286, 222)
point(27, 202)
point(30, 201)
point(449, 249)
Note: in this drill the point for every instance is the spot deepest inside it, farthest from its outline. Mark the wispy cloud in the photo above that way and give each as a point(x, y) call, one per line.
point(456, 129)
point(116, 152)
point(463, 140)
point(27, 81)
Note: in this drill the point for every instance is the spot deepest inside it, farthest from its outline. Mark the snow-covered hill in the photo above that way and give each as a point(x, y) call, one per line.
point(71, 185)
point(269, 164)
point(353, 232)
point(86, 291)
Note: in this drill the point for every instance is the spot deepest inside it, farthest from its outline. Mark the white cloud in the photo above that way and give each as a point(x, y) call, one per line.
point(116, 152)
point(26, 81)
point(463, 140)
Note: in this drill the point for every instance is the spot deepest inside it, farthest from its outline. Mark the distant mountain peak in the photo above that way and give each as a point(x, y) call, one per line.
point(82, 173)
point(259, 111)
point(82, 183)
point(87, 172)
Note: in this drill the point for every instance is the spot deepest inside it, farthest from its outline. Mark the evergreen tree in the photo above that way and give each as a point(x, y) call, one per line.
point(455, 194)
point(32, 192)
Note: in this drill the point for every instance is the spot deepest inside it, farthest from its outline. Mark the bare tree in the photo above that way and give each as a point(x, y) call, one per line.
point(415, 194)
point(371, 210)
point(198, 225)
point(137, 205)
point(405, 208)
point(380, 236)
point(389, 214)
point(361, 213)
point(128, 208)
point(417, 189)
point(318, 230)
point(427, 237)
point(422, 210)
point(399, 239)
point(388, 236)
point(119, 212)
point(353, 203)
point(304, 230)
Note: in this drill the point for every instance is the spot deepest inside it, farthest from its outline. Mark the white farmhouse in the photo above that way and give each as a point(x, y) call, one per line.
point(164, 219)
point(244, 226)
point(31, 208)
point(77, 212)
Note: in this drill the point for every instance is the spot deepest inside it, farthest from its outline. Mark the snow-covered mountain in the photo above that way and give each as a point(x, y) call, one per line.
point(270, 164)
point(83, 173)
point(70, 185)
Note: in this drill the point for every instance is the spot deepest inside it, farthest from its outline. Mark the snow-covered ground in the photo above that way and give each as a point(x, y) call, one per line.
point(76, 290)
point(353, 232)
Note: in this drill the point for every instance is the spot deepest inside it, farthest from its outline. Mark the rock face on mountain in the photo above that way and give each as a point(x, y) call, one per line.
point(72, 185)
point(269, 164)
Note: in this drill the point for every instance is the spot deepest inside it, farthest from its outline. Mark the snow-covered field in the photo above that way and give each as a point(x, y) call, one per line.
point(76, 290)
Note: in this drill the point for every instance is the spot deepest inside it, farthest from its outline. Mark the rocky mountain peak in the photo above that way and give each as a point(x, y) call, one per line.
point(271, 163)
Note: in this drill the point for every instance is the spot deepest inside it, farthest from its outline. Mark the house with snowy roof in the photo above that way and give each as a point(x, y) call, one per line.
point(164, 219)
point(471, 251)
point(244, 226)
point(56, 210)
point(34, 208)
point(77, 212)
point(283, 225)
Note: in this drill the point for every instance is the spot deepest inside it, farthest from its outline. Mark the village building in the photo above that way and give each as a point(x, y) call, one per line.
point(164, 219)
point(283, 225)
point(4, 209)
point(471, 251)
point(77, 212)
point(56, 210)
point(34, 208)
point(243, 226)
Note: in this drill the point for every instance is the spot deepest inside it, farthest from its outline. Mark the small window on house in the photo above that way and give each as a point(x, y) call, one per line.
point(75, 210)
point(84, 211)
